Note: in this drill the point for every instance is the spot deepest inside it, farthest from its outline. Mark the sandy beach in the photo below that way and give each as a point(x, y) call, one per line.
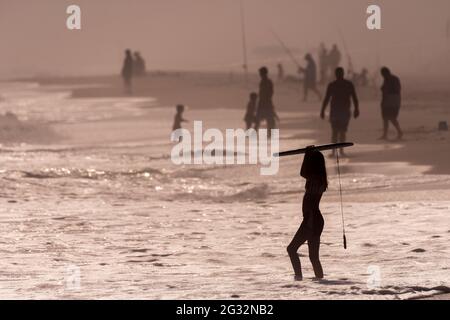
point(90, 193)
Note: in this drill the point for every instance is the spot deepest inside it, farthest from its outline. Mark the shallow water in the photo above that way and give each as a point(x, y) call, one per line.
point(103, 213)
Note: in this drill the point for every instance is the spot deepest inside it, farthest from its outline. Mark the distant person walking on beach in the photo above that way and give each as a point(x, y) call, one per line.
point(127, 71)
point(251, 109)
point(310, 80)
point(138, 65)
point(390, 103)
point(265, 109)
point(314, 171)
point(340, 92)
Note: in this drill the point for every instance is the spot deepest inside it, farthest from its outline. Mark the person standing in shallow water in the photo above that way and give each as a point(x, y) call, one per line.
point(178, 119)
point(310, 80)
point(314, 171)
point(127, 71)
point(340, 92)
point(265, 109)
point(390, 103)
point(250, 113)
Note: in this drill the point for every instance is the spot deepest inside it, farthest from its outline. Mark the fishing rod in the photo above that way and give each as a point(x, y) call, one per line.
point(324, 147)
point(347, 52)
point(342, 206)
point(286, 48)
point(244, 40)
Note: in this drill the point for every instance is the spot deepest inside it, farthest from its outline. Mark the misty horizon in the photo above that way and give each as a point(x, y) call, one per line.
point(206, 35)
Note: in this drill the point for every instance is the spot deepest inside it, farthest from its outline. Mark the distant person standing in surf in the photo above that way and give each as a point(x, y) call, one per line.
point(310, 79)
point(265, 109)
point(127, 71)
point(314, 171)
point(340, 93)
point(390, 103)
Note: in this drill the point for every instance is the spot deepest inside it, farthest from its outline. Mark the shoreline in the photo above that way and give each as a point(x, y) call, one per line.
point(422, 143)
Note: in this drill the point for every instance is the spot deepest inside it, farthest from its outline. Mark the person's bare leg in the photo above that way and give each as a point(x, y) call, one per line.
point(270, 126)
point(299, 239)
point(257, 123)
point(313, 247)
point(397, 127)
point(385, 130)
point(334, 139)
point(342, 138)
point(305, 94)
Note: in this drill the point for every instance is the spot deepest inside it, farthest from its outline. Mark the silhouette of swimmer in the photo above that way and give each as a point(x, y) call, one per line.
point(127, 71)
point(178, 118)
point(251, 108)
point(138, 65)
point(340, 92)
point(310, 80)
point(314, 171)
point(265, 110)
point(390, 103)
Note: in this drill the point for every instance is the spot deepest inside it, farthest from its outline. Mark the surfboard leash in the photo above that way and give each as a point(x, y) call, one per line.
point(340, 194)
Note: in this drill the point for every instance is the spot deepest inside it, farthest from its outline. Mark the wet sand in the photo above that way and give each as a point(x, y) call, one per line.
point(104, 198)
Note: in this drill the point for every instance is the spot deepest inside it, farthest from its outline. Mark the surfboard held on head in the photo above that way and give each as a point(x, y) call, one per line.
point(320, 148)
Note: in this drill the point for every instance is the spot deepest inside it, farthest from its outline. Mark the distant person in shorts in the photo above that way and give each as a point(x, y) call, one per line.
point(390, 102)
point(340, 93)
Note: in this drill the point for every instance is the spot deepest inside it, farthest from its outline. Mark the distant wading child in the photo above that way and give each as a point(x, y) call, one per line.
point(179, 118)
point(251, 110)
point(314, 171)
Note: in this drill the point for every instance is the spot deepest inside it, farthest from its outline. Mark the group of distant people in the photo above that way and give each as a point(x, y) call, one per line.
point(340, 95)
point(133, 66)
point(328, 62)
point(260, 106)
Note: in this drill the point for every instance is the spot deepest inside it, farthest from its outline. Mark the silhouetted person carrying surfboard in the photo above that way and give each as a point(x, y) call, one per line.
point(314, 171)
point(390, 103)
point(127, 71)
point(265, 109)
point(340, 92)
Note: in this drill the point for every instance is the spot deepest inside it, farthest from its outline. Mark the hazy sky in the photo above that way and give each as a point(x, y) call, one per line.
point(206, 34)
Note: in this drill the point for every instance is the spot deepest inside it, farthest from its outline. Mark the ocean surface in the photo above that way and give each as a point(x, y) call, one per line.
point(92, 207)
